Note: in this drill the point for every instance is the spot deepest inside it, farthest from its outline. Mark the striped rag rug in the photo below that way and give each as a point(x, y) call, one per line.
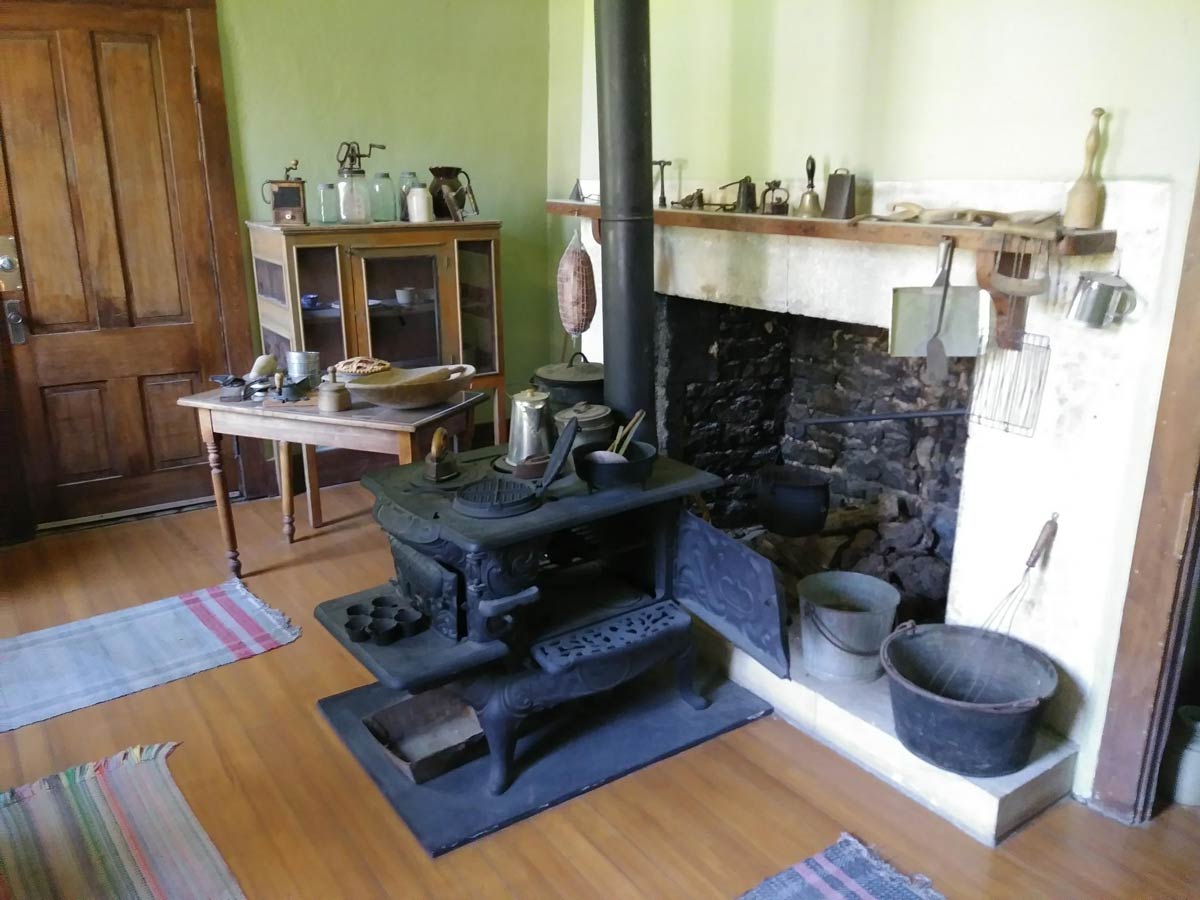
point(845, 870)
point(114, 828)
point(47, 673)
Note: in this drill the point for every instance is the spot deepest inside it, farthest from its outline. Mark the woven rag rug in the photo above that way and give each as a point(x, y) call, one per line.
point(845, 870)
point(114, 828)
point(46, 673)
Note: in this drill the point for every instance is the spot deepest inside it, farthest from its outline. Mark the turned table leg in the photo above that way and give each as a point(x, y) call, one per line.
point(212, 443)
point(284, 452)
point(312, 485)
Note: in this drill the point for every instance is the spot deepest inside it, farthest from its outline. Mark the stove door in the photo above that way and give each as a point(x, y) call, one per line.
point(733, 590)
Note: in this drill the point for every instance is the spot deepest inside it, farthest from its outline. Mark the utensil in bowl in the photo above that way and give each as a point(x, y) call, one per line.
point(636, 469)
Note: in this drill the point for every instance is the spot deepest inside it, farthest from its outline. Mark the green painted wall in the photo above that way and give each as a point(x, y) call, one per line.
point(437, 81)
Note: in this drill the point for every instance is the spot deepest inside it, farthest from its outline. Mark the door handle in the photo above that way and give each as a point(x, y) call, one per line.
point(17, 332)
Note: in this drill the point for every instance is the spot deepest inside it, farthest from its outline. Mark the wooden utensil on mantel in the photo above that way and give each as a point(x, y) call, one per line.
point(1083, 200)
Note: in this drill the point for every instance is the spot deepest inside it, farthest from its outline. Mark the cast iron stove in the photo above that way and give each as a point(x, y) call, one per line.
point(576, 597)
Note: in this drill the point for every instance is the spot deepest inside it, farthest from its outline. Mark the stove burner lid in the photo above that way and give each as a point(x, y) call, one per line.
point(496, 497)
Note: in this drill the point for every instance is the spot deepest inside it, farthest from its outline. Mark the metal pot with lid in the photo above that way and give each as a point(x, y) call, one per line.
point(595, 420)
point(575, 381)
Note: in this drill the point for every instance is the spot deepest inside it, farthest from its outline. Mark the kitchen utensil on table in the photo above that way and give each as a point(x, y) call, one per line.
point(289, 390)
point(441, 463)
point(304, 364)
point(354, 196)
point(502, 496)
point(1000, 619)
point(462, 195)
point(634, 468)
point(1009, 384)
point(1084, 197)
point(575, 381)
point(916, 310)
point(412, 388)
point(1101, 299)
point(332, 395)
point(792, 501)
point(576, 288)
point(775, 199)
point(810, 204)
point(747, 195)
point(529, 426)
point(839, 195)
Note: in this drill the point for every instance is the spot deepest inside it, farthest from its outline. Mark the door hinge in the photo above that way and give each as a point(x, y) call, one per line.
point(196, 84)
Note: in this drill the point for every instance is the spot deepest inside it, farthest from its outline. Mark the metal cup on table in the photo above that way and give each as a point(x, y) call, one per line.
point(304, 364)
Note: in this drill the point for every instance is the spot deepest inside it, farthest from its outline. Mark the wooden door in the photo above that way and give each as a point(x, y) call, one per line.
point(104, 187)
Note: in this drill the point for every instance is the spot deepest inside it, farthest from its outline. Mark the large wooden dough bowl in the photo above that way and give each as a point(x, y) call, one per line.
point(412, 388)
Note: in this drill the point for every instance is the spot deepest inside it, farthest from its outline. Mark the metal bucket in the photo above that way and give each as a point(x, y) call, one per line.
point(845, 617)
point(966, 699)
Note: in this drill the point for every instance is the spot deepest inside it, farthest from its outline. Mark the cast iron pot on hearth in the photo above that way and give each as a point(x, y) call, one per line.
point(576, 381)
point(792, 501)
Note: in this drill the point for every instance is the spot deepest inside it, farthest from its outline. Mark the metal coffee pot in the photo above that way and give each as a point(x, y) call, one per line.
point(1101, 299)
point(529, 426)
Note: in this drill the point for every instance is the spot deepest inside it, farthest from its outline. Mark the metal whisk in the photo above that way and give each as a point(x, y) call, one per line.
point(1000, 620)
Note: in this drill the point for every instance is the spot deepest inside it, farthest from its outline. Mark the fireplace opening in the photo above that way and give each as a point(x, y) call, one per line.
point(736, 388)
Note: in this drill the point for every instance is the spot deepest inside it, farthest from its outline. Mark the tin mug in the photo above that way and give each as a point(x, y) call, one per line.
point(1101, 299)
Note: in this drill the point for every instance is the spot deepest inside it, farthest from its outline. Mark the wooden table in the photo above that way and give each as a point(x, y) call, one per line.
point(376, 429)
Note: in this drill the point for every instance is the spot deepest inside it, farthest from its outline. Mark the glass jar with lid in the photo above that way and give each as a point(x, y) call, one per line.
point(354, 201)
point(383, 198)
point(327, 203)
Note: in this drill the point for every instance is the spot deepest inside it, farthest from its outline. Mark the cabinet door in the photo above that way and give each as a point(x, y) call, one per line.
point(403, 300)
point(480, 344)
point(327, 322)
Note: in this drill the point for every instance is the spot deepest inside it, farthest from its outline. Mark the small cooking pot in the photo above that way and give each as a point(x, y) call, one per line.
point(792, 501)
point(576, 381)
point(1101, 299)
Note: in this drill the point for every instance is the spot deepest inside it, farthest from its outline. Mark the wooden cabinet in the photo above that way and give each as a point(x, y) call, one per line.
point(415, 295)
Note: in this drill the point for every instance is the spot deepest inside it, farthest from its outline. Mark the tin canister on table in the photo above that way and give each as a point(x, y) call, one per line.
point(304, 364)
point(596, 423)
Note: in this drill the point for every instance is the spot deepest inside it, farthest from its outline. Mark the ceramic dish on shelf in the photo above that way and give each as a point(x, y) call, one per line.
point(412, 388)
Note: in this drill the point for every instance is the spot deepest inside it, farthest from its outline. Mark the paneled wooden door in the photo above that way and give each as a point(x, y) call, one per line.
point(104, 189)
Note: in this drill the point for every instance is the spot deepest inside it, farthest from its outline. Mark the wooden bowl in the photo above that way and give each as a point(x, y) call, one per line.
point(407, 389)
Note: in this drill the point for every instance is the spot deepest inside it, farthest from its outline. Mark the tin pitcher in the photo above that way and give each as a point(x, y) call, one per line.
point(529, 426)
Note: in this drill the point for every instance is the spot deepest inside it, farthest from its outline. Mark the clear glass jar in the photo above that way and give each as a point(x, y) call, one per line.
point(383, 198)
point(354, 200)
point(404, 184)
point(327, 203)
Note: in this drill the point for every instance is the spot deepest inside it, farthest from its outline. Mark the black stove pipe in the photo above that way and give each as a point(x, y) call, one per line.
point(627, 213)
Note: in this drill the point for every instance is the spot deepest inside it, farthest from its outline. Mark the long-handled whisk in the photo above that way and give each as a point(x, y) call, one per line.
point(1000, 619)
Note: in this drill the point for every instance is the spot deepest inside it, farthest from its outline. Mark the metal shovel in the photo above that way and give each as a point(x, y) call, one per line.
point(937, 367)
point(942, 317)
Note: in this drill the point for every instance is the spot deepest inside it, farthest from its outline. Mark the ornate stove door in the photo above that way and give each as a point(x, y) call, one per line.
point(733, 590)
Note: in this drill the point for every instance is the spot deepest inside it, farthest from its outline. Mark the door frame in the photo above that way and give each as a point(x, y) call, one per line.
point(1165, 574)
point(252, 471)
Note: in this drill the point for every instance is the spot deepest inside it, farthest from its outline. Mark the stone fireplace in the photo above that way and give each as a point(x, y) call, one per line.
point(737, 386)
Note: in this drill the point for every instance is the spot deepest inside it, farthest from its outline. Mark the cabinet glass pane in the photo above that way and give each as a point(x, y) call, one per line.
point(406, 327)
point(477, 299)
point(317, 273)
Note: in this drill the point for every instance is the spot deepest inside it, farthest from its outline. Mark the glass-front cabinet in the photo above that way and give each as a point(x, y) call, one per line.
point(414, 294)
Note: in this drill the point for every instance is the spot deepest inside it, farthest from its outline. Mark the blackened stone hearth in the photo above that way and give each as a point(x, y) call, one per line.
point(735, 386)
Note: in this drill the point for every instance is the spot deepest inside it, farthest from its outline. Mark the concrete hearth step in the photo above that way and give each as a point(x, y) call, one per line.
point(856, 720)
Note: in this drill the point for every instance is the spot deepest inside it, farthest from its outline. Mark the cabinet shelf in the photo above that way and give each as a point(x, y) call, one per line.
point(1072, 242)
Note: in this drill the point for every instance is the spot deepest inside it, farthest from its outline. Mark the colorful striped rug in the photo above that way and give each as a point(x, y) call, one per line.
point(114, 828)
point(845, 870)
point(47, 673)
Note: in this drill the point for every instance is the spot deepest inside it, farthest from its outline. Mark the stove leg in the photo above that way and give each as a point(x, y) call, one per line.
point(500, 729)
point(685, 673)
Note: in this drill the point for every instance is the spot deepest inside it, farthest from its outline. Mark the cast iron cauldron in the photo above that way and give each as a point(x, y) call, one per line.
point(576, 381)
point(792, 501)
point(967, 699)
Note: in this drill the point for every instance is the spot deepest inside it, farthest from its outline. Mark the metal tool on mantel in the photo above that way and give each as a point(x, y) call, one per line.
point(936, 322)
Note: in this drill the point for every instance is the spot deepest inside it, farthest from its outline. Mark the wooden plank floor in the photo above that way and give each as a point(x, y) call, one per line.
point(295, 816)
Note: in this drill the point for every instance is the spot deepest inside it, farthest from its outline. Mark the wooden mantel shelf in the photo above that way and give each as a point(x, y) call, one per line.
point(1074, 242)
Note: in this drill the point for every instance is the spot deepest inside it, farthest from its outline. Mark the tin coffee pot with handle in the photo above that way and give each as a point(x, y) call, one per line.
point(529, 426)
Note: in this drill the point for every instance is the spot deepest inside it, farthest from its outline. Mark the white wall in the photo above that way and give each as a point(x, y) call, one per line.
point(938, 89)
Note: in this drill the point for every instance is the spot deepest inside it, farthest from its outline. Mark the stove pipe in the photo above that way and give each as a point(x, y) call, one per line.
point(627, 213)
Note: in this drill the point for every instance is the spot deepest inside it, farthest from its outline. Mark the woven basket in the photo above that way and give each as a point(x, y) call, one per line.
point(576, 288)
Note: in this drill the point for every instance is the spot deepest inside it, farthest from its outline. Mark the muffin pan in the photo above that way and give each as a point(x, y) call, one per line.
point(382, 621)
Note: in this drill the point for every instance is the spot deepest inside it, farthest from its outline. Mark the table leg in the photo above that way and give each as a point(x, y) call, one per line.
point(312, 486)
point(407, 447)
point(285, 490)
point(212, 443)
